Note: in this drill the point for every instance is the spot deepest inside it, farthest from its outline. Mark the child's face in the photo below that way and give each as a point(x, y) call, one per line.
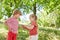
point(32, 19)
point(17, 15)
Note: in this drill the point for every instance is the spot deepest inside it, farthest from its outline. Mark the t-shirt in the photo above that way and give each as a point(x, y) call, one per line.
point(12, 24)
point(34, 30)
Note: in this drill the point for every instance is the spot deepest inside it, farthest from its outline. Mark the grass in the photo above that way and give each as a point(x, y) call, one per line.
point(44, 33)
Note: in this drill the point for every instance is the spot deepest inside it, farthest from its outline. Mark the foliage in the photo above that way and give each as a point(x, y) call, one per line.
point(48, 17)
point(44, 34)
point(2, 37)
point(22, 34)
point(49, 5)
point(7, 6)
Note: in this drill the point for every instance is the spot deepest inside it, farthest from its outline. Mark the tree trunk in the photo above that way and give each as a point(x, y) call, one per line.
point(11, 4)
point(34, 8)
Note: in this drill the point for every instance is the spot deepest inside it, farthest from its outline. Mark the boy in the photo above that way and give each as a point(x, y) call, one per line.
point(33, 27)
point(12, 24)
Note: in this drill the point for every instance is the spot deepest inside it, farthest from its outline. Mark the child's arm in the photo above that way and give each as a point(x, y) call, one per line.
point(6, 23)
point(28, 27)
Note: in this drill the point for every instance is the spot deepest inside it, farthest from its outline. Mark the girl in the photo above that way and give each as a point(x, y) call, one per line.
point(33, 27)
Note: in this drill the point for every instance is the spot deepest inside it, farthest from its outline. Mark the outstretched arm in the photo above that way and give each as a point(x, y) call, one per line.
point(29, 27)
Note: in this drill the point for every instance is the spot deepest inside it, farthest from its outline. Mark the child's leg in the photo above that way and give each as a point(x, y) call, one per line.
point(34, 37)
point(14, 36)
point(9, 36)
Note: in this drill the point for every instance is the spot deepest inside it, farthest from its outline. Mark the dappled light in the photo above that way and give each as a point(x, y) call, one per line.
point(48, 18)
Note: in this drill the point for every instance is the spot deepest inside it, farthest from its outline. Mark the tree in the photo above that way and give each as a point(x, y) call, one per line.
point(27, 5)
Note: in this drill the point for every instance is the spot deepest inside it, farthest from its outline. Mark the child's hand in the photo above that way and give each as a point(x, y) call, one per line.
point(5, 23)
point(28, 26)
point(25, 27)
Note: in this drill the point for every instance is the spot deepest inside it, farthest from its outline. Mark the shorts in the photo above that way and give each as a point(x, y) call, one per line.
point(11, 36)
point(34, 37)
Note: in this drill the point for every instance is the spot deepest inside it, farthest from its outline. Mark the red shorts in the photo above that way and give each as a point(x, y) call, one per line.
point(11, 36)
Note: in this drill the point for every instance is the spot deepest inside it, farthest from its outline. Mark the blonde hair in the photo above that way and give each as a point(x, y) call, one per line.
point(33, 16)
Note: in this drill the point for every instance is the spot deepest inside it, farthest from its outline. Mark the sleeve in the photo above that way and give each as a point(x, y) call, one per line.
point(8, 22)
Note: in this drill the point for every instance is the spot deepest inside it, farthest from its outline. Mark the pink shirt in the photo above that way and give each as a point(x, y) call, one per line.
point(12, 24)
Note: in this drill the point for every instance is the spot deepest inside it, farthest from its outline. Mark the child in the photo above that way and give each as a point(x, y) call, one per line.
point(12, 24)
point(33, 27)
